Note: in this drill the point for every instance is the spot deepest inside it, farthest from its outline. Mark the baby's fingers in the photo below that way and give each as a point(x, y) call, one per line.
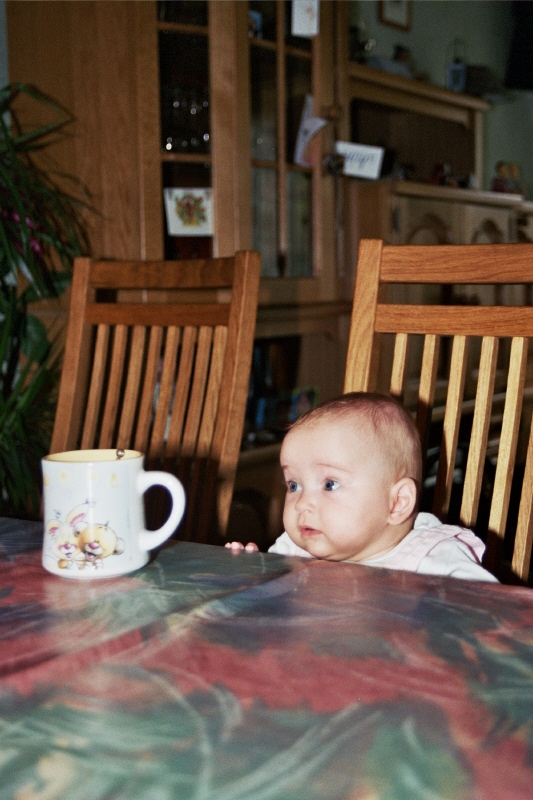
point(236, 547)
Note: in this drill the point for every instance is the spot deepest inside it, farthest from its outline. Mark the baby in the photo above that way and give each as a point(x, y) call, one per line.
point(352, 467)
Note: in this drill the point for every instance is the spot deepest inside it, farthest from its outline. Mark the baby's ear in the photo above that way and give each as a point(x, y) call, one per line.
point(403, 501)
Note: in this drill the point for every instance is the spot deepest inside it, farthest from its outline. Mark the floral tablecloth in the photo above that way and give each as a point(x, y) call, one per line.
point(216, 676)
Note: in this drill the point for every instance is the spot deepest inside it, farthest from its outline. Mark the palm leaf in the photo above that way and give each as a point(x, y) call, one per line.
point(40, 228)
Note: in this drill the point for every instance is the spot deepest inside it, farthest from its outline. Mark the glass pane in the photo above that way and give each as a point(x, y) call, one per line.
point(185, 119)
point(182, 175)
point(263, 101)
point(298, 85)
point(299, 247)
point(262, 19)
point(265, 221)
point(301, 42)
point(188, 12)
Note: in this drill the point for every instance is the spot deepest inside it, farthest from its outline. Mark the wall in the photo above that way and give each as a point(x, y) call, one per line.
point(485, 27)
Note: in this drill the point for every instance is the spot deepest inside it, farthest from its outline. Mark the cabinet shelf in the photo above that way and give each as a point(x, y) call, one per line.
point(181, 27)
point(414, 189)
point(407, 94)
point(191, 158)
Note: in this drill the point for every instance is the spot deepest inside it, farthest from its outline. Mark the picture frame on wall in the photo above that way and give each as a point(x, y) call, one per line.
point(189, 212)
point(396, 13)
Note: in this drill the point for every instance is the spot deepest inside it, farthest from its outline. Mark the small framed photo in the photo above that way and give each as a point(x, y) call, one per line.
point(255, 24)
point(189, 212)
point(302, 401)
point(396, 13)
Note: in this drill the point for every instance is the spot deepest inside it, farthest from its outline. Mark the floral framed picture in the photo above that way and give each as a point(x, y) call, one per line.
point(189, 212)
point(396, 13)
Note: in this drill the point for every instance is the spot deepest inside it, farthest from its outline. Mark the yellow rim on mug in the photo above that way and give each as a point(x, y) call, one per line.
point(88, 456)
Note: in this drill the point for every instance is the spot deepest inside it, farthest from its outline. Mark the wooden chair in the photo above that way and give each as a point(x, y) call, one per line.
point(386, 273)
point(157, 359)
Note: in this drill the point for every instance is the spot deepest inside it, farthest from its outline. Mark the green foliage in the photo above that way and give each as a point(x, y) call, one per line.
point(40, 234)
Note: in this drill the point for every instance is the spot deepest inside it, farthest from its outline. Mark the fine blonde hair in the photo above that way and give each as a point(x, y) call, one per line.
point(390, 423)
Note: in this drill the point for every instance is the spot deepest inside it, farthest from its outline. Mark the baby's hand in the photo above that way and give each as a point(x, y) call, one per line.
point(236, 547)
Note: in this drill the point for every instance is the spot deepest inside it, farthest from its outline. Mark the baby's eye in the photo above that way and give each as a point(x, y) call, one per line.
point(292, 486)
point(331, 485)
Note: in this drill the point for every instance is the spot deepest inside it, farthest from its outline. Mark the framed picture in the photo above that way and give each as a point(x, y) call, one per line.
point(189, 212)
point(302, 401)
point(396, 13)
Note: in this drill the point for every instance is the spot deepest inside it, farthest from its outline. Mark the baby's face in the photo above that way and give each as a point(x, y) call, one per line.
point(339, 491)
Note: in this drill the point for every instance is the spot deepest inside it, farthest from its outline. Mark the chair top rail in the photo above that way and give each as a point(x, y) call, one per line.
point(483, 263)
point(156, 314)
point(212, 273)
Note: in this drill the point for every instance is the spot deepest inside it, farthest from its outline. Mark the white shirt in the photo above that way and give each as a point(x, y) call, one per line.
point(430, 548)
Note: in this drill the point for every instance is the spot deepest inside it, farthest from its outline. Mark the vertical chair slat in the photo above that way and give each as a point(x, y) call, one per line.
point(524, 528)
point(115, 379)
point(480, 431)
point(426, 390)
point(194, 410)
point(95, 388)
point(76, 367)
point(507, 450)
point(183, 381)
point(452, 422)
point(227, 436)
point(204, 446)
point(398, 365)
point(209, 413)
point(166, 389)
point(145, 416)
point(359, 360)
point(189, 453)
point(133, 380)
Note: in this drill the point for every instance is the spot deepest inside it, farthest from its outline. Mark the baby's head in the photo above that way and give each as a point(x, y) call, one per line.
point(352, 467)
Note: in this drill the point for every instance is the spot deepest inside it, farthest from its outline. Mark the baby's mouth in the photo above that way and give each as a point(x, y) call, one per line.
point(306, 531)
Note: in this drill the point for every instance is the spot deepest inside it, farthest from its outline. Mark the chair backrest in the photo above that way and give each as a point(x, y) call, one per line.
point(157, 359)
point(461, 366)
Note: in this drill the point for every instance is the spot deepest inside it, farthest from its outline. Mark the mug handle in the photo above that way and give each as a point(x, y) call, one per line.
point(150, 539)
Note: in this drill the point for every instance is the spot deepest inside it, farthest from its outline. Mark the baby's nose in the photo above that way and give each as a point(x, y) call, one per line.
point(304, 500)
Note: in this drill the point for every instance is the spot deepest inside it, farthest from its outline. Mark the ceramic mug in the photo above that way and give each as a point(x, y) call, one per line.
point(94, 513)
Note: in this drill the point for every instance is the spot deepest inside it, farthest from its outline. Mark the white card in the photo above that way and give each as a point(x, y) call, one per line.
point(309, 126)
point(360, 160)
point(305, 17)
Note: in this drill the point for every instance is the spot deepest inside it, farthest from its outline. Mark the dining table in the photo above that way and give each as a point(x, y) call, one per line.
point(211, 674)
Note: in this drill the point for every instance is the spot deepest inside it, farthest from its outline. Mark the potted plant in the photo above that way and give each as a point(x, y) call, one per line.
point(41, 231)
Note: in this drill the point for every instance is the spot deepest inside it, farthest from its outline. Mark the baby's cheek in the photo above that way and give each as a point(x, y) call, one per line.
point(288, 509)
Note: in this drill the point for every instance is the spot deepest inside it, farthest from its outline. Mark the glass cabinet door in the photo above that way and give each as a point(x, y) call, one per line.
point(233, 82)
point(281, 77)
point(185, 126)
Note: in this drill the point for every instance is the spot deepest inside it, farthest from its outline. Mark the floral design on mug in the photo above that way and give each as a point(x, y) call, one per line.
point(80, 545)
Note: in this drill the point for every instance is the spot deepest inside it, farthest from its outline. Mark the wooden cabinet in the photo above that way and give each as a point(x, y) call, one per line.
point(400, 212)
point(119, 68)
point(125, 69)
